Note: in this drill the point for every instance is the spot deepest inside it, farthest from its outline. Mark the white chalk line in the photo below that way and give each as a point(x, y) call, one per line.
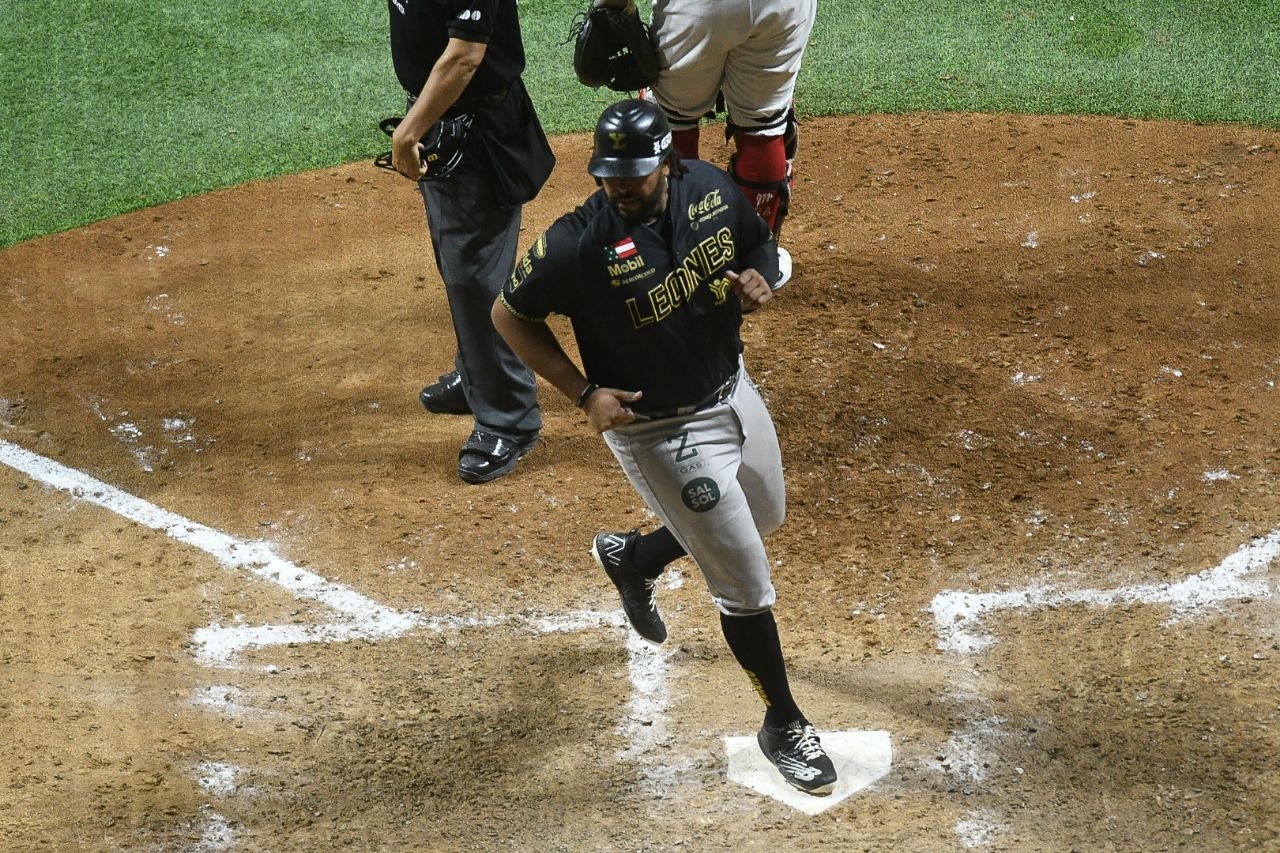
point(365, 618)
point(958, 615)
point(217, 644)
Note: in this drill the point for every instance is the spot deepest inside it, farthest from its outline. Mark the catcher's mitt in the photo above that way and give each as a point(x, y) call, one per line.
point(612, 47)
point(441, 147)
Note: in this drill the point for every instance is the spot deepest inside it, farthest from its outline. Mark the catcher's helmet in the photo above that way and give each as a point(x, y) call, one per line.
point(632, 140)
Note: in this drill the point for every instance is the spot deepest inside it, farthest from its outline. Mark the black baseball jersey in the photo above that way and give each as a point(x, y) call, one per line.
point(420, 30)
point(651, 307)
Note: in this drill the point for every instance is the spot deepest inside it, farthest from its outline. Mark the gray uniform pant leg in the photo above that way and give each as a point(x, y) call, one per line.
point(475, 243)
point(715, 480)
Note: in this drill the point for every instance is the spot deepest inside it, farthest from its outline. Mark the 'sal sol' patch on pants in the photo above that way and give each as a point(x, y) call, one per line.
point(700, 495)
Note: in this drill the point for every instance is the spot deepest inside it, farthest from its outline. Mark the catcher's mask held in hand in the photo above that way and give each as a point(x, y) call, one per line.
point(441, 148)
point(632, 139)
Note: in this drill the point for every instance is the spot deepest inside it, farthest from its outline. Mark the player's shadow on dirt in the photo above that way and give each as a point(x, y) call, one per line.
point(493, 715)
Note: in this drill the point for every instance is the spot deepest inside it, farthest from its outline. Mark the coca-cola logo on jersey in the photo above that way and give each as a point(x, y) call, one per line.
point(710, 205)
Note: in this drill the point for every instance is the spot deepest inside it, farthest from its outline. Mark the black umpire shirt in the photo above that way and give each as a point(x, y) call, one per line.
point(421, 29)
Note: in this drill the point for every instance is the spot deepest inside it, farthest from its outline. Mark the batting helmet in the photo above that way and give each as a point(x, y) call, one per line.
point(632, 139)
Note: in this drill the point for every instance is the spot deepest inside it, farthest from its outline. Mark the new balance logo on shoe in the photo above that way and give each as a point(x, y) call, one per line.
point(798, 754)
point(799, 770)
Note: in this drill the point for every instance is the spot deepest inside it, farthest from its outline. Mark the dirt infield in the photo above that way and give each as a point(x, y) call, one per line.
point(1025, 383)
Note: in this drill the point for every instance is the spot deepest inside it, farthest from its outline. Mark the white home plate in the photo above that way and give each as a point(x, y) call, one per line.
point(860, 759)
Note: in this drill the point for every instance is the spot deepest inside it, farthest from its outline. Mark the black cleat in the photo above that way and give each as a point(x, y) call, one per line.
point(486, 456)
point(799, 757)
point(445, 396)
point(612, 552)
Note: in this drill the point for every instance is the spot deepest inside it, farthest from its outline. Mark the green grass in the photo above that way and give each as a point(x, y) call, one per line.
point(1212, 62)
point(115, 105)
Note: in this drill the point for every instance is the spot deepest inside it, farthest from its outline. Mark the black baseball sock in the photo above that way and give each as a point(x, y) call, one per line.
point(754, 642)
point(653, 551)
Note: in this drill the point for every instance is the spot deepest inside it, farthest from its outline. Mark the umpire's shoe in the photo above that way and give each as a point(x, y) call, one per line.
point(486, 456)
point(639, 593)
point(798, 754)
point(445, 396)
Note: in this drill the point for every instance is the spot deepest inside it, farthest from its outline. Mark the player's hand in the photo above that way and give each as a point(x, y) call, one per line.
point(606, 408)
point(751, 288)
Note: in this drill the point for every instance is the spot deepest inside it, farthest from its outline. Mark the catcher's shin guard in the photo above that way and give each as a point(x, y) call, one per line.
point(762, 173)
point(686, 142)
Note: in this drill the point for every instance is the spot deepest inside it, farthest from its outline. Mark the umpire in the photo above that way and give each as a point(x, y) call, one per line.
point(460, 63)
point(653, 271)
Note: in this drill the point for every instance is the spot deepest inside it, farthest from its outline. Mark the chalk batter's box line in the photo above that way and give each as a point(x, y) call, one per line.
point(957, 613)
point(364, 618)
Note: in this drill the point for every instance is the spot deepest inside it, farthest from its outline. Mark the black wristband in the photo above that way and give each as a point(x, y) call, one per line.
point(586, 393)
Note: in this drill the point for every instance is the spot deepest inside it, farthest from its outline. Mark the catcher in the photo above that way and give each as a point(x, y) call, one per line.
point(747, 54)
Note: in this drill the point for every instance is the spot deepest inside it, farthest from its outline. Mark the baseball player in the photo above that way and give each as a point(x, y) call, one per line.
point(750, 52)
point(653, 271)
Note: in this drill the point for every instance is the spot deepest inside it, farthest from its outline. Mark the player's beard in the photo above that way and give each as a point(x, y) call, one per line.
point(635, 208)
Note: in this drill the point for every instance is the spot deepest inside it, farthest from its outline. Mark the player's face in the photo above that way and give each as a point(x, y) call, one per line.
point(638, 200)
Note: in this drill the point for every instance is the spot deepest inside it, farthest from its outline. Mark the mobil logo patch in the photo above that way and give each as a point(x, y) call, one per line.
point(701, 494)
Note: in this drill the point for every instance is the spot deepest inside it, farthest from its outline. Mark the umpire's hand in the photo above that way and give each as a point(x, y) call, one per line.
point(751, 288)
point(406, 156)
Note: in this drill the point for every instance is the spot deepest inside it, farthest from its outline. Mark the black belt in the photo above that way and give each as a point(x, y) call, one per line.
point(472, 103)
point(717, 396)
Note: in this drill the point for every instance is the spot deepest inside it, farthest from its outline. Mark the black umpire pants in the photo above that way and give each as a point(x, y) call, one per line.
point(475, 242)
